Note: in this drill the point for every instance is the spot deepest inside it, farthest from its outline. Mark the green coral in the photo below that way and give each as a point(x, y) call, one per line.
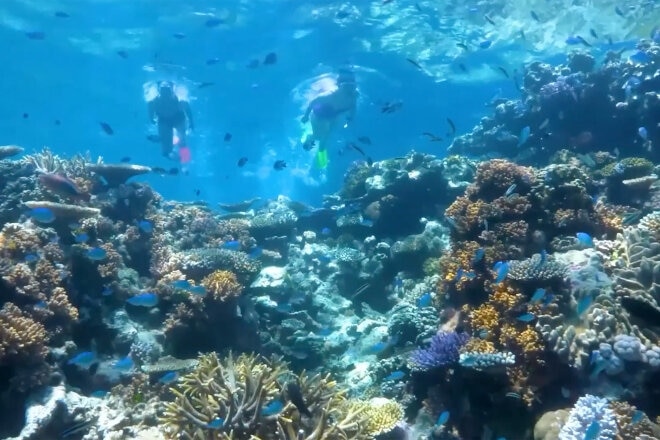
point(627, 168)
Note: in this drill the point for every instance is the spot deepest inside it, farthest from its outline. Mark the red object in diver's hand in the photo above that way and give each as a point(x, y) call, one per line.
point(184, 155)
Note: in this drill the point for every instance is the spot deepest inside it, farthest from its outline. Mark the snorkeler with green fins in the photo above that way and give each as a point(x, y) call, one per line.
point(324, 113)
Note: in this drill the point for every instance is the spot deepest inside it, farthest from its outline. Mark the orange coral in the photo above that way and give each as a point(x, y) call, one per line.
point(485, 317)
point(222, 285)
point(21, 338)
point(497, 175)
point(610, 217)
point(526, 342)
point(515, 231)
point(479, 345)
point(59, 303)
point(505, 297)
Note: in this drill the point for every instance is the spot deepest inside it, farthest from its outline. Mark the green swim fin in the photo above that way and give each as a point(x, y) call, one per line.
point(322, 159)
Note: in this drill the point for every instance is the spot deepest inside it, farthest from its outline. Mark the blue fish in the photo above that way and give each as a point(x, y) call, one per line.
point(593, 431)
point(325, 331)
point(42, 215)
point(526, 317)
point(83, 359)
point(146, 299)
point(99, 394)
point(284, 307)
point(470, 275)
point(543, 257)
point(502, 272)
point(181, 284)
point(377, 348)
point(81, 237)
point(326, 231)
point(96, 254)
point(216, 423)
point(197, 290)
point(459, 274)
point(442, 418)
point(497, 265)
point(124, 364)
point(643, 133)
point(31, 258)
point(483, 333)
point(524, 135)
point(584, 238)
point(146, 226)
point(395, 375)
point(233, 245)
point(573, 40)
point(537, 296)
point(398, 282)
point(478, 255)
point(256, 252)
point(107, 291)
point(640, 57)
point(274, 407)
point(584, 304)
point(485, 44)
point(424, 300)
point(637, 416)
point(168, 377)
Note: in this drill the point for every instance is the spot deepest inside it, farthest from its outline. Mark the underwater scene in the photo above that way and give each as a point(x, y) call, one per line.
point(330, 220)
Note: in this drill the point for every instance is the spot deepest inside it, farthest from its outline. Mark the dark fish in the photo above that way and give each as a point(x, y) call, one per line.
point(342, 14)
point(57, 122)
point(205, 84)
point(308, 144)
point(452, 126)
point(253, 64)
point(356, 148)
point(534, 16)
point(77, 428)
point(242, 161)
point(295, 395)
point(36, 35)
point(370, 161)
point(198, 192)
point(279, 165)
point(213, 22)
point(174, 171)
point(418, 7)
point(503, 70)
point(583, 41)
point(522, 34)
point(270, 59)
point(391, 107)
point(462, 46)
point(153, 138)
point(364, 140)
point(159, 170)
point(179, 35)
point(107, 129)
point(61, 14)
point(609, 41)
point(125, 159)
point(122, 54)
point(212, 61)
point(462, 67)
point(618, 11)
point(227, 137)
point(515, 82)
point(63, 186)
point(26, 115)
point(432, 137)
point(414, 63)
point(489, 20)
point(593, 33)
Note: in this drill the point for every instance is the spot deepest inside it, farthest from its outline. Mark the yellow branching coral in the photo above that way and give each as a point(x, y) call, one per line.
point(59, 303)
point(478, 345)
point(526, 342)
point(505, 297)
point(222, 285)
point(21, 338)
point(485, 317)
point(381, 415)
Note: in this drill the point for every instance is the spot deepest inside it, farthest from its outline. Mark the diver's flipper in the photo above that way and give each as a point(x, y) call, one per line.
point(321, 159)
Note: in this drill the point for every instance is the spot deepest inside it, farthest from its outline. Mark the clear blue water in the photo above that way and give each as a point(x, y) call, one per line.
point(75, 76)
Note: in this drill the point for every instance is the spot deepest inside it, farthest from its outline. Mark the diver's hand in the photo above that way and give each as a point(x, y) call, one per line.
point(304, 119)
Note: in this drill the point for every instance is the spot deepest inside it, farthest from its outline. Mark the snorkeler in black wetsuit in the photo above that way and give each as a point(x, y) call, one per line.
point(169, 113)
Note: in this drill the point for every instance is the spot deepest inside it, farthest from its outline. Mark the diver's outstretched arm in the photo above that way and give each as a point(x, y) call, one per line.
point(308, 112)
point(188, 111)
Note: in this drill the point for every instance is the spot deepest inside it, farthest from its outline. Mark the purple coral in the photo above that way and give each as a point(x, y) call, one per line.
point(444, 350)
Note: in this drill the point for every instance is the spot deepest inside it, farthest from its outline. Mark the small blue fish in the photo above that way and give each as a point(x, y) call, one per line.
point(83, 359)
point(485, 44)
point(478, 255)
point(459, 274)
point(584, 238)
point(424, 300)
point(395, 375)
point(398, 282)
point(96, 254)
point(619, 168)
point(513, 395)
point(99, 394)
point(497, 265)
point(637, 416)
point(233, 245)
point(543, 257)
point(470, 275)
point(169, 377)
point(510, 190)
point(124, 364)
point(326, 231)
point(584, 304)
point(573, 40)
point(146, 299)
point(537, 296)
point(526, 317)
point(643, 133)
point(197, 290)
point(42, 215)
point(31, 258)
point(274, 407)
point(524, 135)
point(81, 237)
point(107, 291)
point(483, 333)
point(442, 418)
point(284, 307)
point(41, 305)
point(502, 272)
point(256, 252)
point(640, 57)
point(216, 423)
point(146, 226)
point(377, 348)
point(593, 431)
point(181, 284)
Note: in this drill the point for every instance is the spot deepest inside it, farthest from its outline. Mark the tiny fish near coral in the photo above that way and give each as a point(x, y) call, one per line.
point(146, 299)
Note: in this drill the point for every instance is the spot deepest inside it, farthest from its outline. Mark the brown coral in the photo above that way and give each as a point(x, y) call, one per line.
point(222, 285)
point(21, 338)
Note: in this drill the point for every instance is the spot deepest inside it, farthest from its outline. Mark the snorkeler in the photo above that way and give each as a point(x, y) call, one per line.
point(324, 112)
point(169, 113)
